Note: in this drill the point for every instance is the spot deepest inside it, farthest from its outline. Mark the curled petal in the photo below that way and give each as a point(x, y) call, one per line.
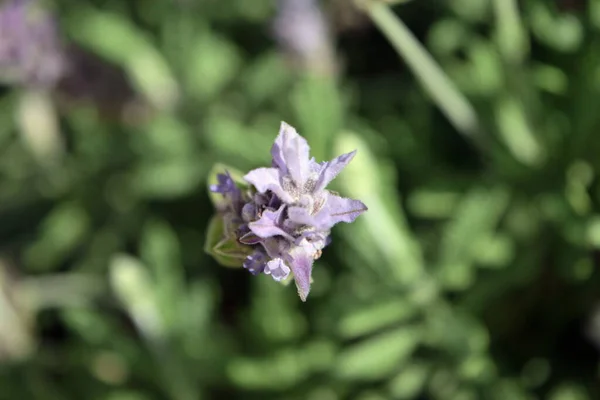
point(277, 269)
point(301, 260)
point(268, 225)
point(339, 209)
point(314, 166)
point(290, 154)
point(265, 179)
point(329, 170)
point(277, 149)
point(336, 209)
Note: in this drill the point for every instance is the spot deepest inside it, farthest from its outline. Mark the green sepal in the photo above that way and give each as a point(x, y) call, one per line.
point(227, 251)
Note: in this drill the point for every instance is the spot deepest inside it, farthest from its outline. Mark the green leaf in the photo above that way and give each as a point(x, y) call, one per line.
point(367, 179)
point(227, 251)
point(370, 319)
point(160, 250)
point(135, 289)
point(213, 62)
point(379, 356)
point(569, 391)
point(319, 108)
point(475, 218)
point(409, 382)
point(61, 233)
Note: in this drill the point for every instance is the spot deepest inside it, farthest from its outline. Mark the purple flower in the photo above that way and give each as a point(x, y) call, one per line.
point(277, 269)
point(285, 219)
point(30, 50)
point(300, 183)
point(302, 31)
point(295, 233)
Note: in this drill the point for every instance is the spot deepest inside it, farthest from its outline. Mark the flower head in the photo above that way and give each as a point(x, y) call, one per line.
point(302, 32)
point(289, 216)
point(30, 50)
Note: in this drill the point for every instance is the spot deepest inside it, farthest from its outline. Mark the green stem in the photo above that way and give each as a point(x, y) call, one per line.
point(452, 103)
point(510, 34)
point(61, 290)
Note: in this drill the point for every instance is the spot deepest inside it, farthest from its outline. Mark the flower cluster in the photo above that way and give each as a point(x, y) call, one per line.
point(30, 49)
point(287, 215)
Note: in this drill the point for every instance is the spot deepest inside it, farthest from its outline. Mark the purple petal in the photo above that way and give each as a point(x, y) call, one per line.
point(301, 261)
point(336, 209)
point(300, 216)
point(256, 262)
point(331, 169)
point(319, 239)
point(290, 154)
point(277, 269)
point(274, 202)
point(339, 209)
point(225, 184)
point(277, 150)
point(315, 167)
point(265, 179)
point(268, 225)
point(276, 246)
point(249, 212)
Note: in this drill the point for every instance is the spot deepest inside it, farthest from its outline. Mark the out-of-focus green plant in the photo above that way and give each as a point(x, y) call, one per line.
point(472, 276)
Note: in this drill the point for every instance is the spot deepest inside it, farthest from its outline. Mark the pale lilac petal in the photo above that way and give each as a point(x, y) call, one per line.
point(300, 216)
point(277, 269)
point(290, 154)
point(314, 166)
point(331, 169)
point(268, 225)
point(301, 260)
point(319, 239)
point(277, 149)
point(336, 209)
point(339, 209)
point(264, 179)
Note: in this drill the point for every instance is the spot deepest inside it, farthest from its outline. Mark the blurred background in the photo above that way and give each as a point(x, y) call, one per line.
point(474, 274)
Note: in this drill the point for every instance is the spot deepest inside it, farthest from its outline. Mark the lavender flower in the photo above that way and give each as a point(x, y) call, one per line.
point(30, 51)
point(302, 31)
point(287, 215)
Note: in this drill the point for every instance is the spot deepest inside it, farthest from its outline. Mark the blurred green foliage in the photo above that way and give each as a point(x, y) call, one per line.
point(472, 276)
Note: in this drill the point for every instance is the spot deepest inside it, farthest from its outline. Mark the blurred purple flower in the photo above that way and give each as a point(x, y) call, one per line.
point(302, 31)
point(289, 217)
point(92, 80)
point(30, 49)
